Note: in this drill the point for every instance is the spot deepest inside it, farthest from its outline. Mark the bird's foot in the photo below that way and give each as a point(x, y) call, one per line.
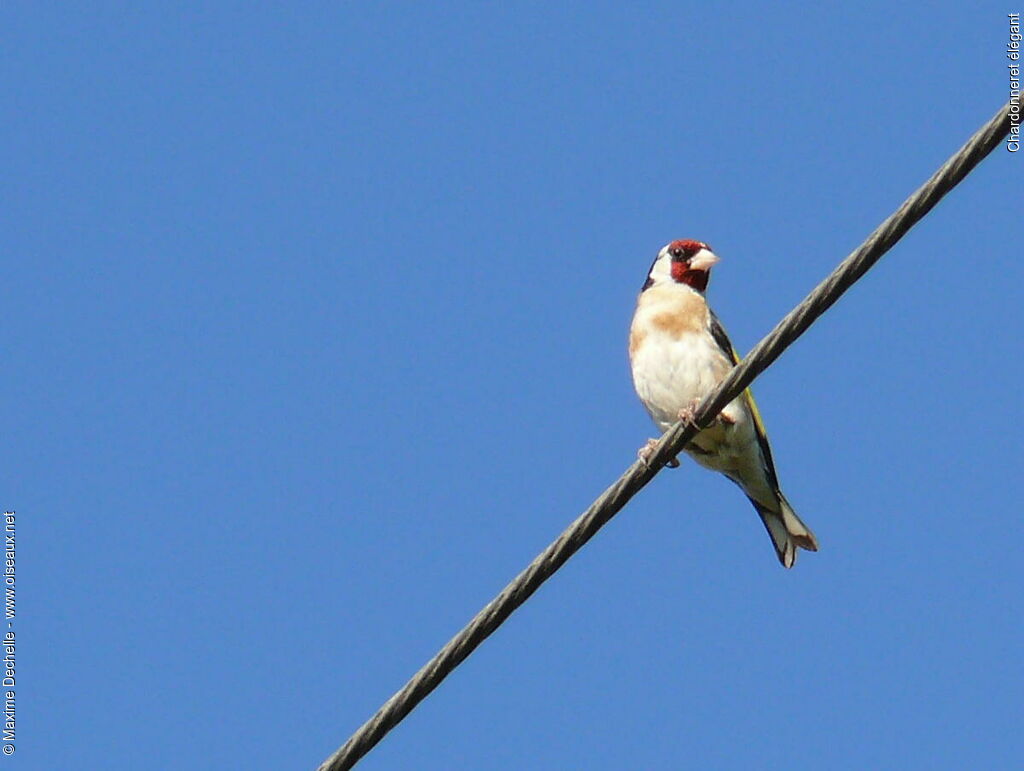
point(688, 414)
point(645, 452)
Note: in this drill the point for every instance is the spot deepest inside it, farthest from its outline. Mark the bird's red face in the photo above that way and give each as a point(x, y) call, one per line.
point(691, 263)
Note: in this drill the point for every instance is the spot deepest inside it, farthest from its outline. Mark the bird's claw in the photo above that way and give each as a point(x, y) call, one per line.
point(645, 453)
point(688, 414)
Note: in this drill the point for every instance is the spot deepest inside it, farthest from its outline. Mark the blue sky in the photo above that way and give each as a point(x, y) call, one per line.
point(315, 321)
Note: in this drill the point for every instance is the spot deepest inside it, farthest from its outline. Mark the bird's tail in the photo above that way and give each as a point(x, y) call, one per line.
point(787, 530)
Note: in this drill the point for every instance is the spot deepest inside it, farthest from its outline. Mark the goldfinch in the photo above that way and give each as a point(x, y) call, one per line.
point(679, 353)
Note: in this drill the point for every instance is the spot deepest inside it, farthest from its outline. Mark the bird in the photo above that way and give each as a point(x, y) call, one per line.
point(679, 352)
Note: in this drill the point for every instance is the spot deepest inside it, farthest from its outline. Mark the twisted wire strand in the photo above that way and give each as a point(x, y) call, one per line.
point(611, 501)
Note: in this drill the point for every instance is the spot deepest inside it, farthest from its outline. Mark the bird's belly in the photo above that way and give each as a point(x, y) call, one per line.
point(669, 375)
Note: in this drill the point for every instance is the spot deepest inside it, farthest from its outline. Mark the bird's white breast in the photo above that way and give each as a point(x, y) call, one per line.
point(675, 359)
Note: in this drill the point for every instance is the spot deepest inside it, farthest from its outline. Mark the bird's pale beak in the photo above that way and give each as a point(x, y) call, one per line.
point(703, 260)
